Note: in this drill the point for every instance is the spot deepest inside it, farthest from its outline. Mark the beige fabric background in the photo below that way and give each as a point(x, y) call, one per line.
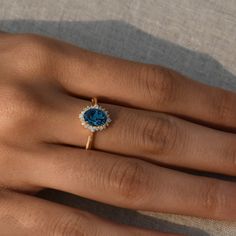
point(195, 37)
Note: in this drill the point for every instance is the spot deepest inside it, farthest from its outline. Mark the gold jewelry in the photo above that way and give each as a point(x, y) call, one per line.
point(94, 118)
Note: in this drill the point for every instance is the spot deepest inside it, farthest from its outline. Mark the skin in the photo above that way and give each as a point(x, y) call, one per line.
point(160, 120)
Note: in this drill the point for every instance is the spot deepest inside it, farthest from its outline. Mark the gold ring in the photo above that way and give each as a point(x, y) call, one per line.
point(94, 118)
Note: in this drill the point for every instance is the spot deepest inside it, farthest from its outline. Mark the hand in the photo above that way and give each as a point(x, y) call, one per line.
point(160, 119)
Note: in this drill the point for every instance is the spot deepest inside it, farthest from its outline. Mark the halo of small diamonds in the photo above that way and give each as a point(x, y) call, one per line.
point(95, 118)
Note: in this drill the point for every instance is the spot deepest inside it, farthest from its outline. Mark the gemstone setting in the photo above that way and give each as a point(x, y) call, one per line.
point(94, 118)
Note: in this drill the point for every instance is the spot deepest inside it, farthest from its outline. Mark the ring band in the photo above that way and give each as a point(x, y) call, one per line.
point(94, 118)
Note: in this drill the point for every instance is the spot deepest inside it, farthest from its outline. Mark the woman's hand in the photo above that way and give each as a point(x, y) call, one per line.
point(43, 87)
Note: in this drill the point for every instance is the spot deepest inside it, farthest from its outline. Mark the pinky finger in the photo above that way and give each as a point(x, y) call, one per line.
point(27, 215)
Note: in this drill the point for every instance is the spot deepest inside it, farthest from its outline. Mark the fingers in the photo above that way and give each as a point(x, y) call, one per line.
point(87, 74)
point(25, 215)
point(151, 136)
point(150, 87)
point(130, 183)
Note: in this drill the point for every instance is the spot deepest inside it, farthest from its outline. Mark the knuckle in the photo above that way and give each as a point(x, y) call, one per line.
point(5, 196)
point(74, 225)
point(31, 54)
point(159, 135)
point(213, 199)
point(228, 158)
point(222, 107)
point(158, 84)
point(16, 105)
point(21, 102)
point(34, 43)
point(128, 178)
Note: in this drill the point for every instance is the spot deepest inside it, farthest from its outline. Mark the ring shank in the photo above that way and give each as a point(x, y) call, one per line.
point(89, 141)
point(94, 101)
point(91, 136)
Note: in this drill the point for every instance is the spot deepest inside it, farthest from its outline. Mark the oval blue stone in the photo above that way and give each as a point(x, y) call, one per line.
point(95, 117)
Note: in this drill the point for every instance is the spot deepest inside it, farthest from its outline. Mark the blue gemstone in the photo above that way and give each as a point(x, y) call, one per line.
point(95, 117)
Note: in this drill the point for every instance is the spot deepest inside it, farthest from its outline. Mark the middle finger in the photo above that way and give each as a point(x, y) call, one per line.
point(153, 136)
point(128, 182)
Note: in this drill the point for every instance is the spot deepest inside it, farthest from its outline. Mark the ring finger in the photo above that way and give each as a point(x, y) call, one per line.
point(152, 136)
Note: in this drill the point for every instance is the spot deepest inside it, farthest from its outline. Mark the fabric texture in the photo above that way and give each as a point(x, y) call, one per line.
point(196, 38)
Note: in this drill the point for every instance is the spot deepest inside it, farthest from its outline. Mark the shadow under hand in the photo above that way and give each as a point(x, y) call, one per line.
point(120, 215)
point(123, 40)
